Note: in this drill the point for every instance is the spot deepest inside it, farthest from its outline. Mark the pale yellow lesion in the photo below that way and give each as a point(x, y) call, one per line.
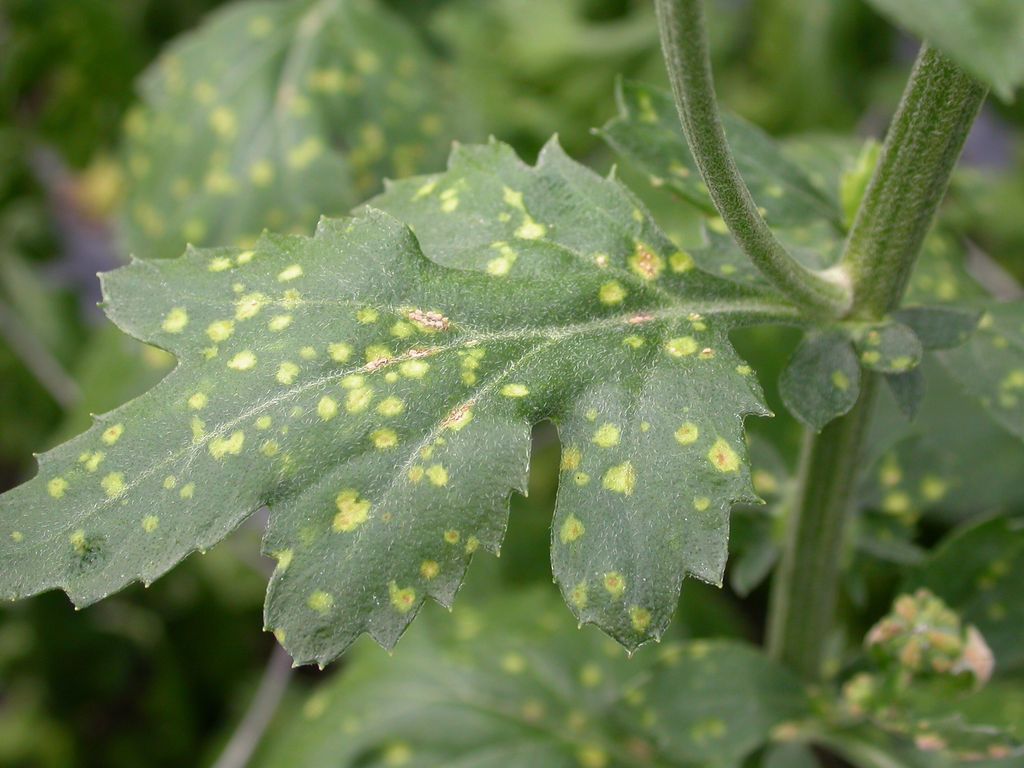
point(175, 320)
point(620, 478)
point(403, 599)
point(353, 511)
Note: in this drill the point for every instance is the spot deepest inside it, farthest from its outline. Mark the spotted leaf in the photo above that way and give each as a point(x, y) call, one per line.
point(381, 405)
point(887, 347)
point(991, 364)
point(510, 683)
point(272, 114)
point(648, 133)
point(822, 380)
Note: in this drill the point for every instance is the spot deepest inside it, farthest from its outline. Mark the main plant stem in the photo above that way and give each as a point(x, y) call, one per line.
point(804, 590)
point(921, 149)
point(685, 47)
point(925, 139)
point(923, 144)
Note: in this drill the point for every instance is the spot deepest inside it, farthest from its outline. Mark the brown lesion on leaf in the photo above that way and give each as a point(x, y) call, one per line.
point(428, 321)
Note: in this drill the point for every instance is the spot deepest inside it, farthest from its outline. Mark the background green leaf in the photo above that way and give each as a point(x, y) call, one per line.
point(272, 114)
point(510, 682)
point(982, 35)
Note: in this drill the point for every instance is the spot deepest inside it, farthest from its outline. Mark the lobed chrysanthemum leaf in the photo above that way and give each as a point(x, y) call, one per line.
point(380, 404)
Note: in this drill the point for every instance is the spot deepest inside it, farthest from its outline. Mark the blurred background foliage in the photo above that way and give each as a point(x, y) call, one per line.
point(164, 676)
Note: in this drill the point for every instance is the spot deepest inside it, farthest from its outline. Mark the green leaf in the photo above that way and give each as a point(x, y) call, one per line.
point(822, 380)
point(647, 132)
point(511, 683)
point(908, 389)
point(978, 571)
point(957, 464)
point(381, 405)
point(982, 35)
point(887, 347)
point(939, 327)
point(990, 365)
point(272, 114)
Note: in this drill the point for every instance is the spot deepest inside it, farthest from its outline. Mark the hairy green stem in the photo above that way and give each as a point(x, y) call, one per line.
point(924, 142)
point(920, 151)
point(685, 47)
point(803, 599)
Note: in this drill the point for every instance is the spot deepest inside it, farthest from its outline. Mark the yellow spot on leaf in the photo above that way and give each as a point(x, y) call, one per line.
point(611, 293)
point(681, 346)
point(358, 400)
point(437, 474)
point(615, 584)
point(621, 478)
point(723, 457)
point(112, 434)
point(286, 372)
point(390, 406)
point(451, 537)
point(113, 484)
point(243, 361)
point(701, 503)
point(327, 408)
point(640, 618)
point(227, 446)
point(56, 487)
point(78, 542)
point(572, 529)
point(175, 320)
point(840, 381)
point(197, 401)
point(515, 390)
point(249, 305)
point(578, 596)
point(187, 491)
point(150, 523)
point(402, 599)
point(429, 569)
point(687, 434)
point(571, 458)
point(279, 322)
point(645, 262)
point(339, 352)
point(92, 461)
point(261, 173)
point(530, 229)
point(224, 123)
point(414, 369)
point(384, 438)
point(321, 602)
point(220, 330)
point(680, 261)
point(352, 511)
point(607, 436)
point(289, 273)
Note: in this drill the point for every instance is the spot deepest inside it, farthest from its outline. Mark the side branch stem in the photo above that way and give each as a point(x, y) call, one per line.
point(685, 48)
